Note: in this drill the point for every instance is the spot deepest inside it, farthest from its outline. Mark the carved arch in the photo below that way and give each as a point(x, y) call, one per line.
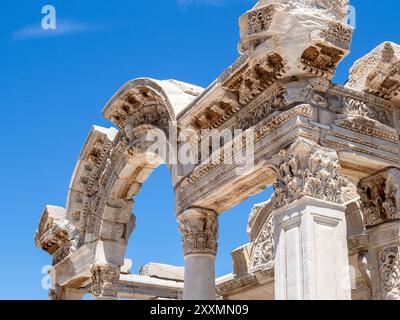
point(113, 166)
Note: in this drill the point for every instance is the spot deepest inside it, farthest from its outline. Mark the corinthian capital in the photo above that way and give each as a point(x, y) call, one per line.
point(199, 228)
point(311, 170)
point(105, 280)
point(380, 197)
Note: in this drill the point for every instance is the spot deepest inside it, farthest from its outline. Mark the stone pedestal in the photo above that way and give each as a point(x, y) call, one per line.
point(199, 228)
point(311, 251)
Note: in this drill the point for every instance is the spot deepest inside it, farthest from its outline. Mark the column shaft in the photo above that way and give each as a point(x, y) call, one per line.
point(199, 277)
point(199, 228)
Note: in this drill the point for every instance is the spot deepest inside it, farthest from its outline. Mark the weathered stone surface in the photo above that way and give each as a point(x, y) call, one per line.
point(378, 72)
point(322, 35)
point(163, 271)
point(53, 232)
point(380, 197)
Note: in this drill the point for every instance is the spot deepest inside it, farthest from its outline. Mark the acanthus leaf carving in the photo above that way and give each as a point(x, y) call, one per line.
point(199, 229)
point(312, 173)
point(380, 197)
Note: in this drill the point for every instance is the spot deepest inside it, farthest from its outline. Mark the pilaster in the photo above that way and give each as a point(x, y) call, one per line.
point(380, 201)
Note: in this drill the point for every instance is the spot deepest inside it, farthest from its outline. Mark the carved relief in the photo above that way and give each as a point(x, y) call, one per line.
point(389, 260)
point(264, 252)
point(314, 174)
point(338, 34)
point(321, 60)
point(253, 79)
point(217, 113)
point(143, 104)
point(260, 20)
point(155, 115)
point(262, 112)
point(242, 87)
point(274, 123)
point(378, 72)
point(360, 108)
point(71, 247)
point(380, 197)
point(199, 228)
point(105, 280)
point(53, 232)
point(384, 79)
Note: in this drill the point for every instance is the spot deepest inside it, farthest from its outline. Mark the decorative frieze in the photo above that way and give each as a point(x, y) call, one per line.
point(250, 81)
point(244, 84)
point(199, 229)
point(270, 126)
point(380, 197)
point(234, 285)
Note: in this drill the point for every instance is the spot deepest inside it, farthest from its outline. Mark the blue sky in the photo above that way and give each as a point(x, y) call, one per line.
point(52, 90)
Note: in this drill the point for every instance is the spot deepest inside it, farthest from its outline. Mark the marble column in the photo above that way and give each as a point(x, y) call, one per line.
point(199, 228)
point(380, 203)
point(311, 258)
point(105, 278)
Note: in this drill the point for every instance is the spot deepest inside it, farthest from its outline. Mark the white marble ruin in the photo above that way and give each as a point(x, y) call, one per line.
point(332, 153)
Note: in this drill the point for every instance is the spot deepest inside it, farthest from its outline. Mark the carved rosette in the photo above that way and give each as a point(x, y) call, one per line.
point(315, 173)
point(380, 197)
point(199, 228)
point(389, 259)
point(105, 280)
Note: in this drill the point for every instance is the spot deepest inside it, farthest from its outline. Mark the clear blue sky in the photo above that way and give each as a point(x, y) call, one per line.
point(52, 90)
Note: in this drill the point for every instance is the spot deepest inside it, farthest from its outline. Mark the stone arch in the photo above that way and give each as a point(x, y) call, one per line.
point(114, 164)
